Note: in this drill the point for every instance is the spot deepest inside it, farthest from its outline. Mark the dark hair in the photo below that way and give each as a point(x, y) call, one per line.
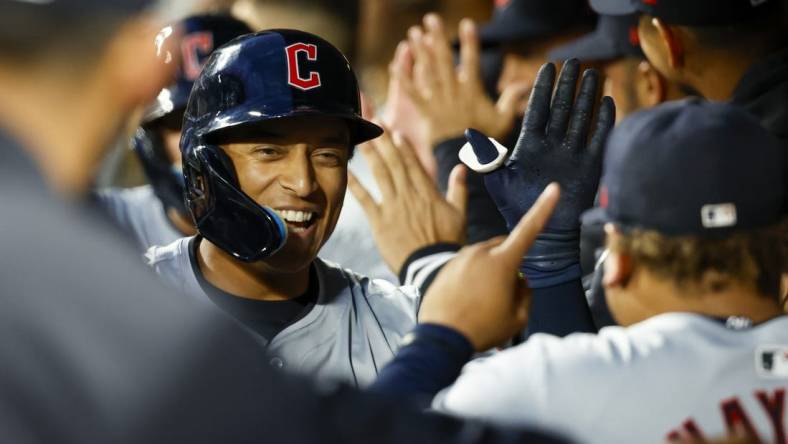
point(30, 32)
point(757, 258)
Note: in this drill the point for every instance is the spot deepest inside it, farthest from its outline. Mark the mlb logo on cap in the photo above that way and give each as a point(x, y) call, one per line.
point(719, 215)
point(693, 168)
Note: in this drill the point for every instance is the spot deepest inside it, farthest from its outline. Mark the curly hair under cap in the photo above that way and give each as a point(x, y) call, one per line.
point(756, 258)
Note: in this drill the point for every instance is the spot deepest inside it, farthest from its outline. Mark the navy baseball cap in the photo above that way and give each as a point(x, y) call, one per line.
point(518, 20)
point(693, 168)
point(615, 36)
point(688, 12)
point(108, 5)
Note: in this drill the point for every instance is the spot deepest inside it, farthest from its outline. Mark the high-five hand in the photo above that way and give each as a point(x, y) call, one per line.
point(553, 147)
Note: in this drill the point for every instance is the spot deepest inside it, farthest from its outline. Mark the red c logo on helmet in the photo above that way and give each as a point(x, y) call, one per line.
point(192, 46)
point(294, 77)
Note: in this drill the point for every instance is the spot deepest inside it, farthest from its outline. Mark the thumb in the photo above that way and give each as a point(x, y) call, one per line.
point(509, 102)
point(482, 154)
point(457, 192)
point(522, 236)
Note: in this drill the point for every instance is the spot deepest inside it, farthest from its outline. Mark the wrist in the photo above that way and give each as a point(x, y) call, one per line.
point(554, 258)
point(425, 260)
point(449, 340)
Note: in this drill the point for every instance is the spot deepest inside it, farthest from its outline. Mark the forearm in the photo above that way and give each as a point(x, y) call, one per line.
point(560, 310)
point(430, 360)
point(421, 267)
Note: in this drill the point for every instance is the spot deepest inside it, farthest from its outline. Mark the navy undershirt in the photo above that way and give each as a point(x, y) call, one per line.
point(266, 318)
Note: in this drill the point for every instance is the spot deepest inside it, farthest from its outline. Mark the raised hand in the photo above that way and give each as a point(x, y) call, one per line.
point(412, 213)
point(553, 147)
point(450, 98)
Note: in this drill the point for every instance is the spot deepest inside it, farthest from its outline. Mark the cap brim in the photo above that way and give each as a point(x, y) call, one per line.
point(613, 7)
point(361, 130)
point(593, 47)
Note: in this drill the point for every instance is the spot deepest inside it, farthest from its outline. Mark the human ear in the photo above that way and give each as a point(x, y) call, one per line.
point(618, 266)
point(650, 85)
point(670, 38)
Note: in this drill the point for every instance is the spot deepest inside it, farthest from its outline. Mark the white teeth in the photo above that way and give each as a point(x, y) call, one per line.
point(296, 216)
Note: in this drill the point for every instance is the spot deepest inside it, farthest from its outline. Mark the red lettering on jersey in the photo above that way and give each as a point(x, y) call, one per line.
point(775, 409)
point(192, 46)
point(737, 420)
point(689, 430)
point(294, 77)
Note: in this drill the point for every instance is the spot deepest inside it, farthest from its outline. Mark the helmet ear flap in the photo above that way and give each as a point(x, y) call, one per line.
point(222, 163)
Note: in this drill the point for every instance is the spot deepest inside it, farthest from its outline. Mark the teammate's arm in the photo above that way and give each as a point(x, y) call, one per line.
point(554, 145)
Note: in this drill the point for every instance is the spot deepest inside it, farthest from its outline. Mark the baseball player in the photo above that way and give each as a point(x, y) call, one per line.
point(629, 78)
point(155, 214)
point(694, 193)
point(270, 126)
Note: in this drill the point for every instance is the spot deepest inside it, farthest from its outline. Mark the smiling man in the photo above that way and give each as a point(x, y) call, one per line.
point(271, 124)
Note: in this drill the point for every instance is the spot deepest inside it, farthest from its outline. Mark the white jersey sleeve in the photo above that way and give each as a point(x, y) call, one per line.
point(673, 375)
point(139, 212)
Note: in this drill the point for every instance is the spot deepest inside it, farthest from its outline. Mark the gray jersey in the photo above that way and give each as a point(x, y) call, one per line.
point(353, 330)
point(139, 212)
point(676, 375)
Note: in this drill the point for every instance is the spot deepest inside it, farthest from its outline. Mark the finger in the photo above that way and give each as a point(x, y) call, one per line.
point(538, 110)
point(457, 192)
point(412, 167)
point(523, 235)
point(422, 73)
point(563, 99)
point(606, 119)
point(379, 171)
point(584, 109)
point(442, 56)
point(393, 162)
point(363, 197)
point(482, 146)
point(510, 99)
point(404, 78)
point(468, 70)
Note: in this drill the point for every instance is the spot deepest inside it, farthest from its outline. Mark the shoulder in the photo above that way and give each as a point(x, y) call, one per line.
point(534, 380)
point(370, 287)
point(126, 196)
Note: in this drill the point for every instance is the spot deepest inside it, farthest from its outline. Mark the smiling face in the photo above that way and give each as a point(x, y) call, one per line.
point(298, 167)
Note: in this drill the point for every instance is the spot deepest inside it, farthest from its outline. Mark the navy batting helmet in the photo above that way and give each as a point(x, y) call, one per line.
point(197, 37)
point(257, 78)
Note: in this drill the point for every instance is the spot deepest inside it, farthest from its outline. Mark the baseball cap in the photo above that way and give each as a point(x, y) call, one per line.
point(129, 5)
point(615, 36)
point(688, 12)
point(693, 168)
point(517, 20)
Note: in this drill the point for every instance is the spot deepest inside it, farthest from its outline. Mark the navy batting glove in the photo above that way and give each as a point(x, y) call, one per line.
point(553, 147)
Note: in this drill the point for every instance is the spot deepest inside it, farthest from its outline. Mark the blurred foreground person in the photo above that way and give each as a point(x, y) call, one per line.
point(155, 214)
point(91, 348)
